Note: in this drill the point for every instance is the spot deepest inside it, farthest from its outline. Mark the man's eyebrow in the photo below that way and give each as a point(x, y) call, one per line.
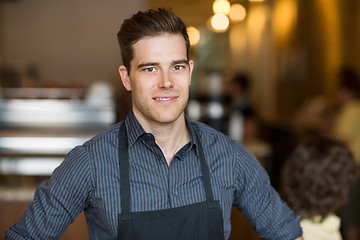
point(147, 64)
point(182, 61)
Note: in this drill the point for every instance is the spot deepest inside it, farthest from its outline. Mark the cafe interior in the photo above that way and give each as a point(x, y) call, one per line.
point(59, 81)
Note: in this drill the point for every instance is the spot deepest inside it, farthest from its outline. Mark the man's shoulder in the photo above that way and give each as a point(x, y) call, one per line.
point(207, 132)
point(109, 134)
point(203, 128)
point(211, 136)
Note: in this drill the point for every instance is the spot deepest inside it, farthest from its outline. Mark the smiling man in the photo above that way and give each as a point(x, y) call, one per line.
point(157, 175)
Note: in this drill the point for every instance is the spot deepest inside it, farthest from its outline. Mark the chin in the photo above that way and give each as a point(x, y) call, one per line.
point(168, 118)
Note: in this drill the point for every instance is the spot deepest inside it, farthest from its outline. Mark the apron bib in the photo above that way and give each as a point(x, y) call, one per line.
point(199, 221)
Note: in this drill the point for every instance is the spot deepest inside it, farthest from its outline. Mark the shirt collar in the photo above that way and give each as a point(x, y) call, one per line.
point(193, 139)
point(133, 127)
point(135, 130)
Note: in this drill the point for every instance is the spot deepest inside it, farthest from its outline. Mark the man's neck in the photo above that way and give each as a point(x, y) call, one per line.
point(170, 137)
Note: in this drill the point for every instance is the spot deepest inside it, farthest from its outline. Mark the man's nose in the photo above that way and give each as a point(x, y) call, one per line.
point(165, 80)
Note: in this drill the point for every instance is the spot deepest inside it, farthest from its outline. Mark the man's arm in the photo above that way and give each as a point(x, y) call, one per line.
point(57, 201)
point(260, 203)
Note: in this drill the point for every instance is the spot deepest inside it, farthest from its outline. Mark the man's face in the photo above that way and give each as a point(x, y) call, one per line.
point(159, 78)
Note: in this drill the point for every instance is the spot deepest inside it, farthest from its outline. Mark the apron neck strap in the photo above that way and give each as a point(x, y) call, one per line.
point(124, 171)
point(204, 171)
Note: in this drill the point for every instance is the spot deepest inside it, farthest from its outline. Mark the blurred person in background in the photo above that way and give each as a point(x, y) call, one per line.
point(316, 181)
point(240, 105)
point(346, 128)
point(244, 122)
point(239, 92)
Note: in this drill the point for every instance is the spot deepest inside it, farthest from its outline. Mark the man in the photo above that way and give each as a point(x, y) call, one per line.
point(157, 175)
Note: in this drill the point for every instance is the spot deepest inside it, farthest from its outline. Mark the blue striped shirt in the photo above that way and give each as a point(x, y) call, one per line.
point(89, 180)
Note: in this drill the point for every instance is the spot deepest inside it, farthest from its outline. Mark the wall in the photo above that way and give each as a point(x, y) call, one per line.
point(68, 41)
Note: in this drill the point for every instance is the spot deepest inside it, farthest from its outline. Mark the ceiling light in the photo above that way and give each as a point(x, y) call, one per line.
point(194, 35)
point(219, 22)
point(237, 13)
point(221, 6)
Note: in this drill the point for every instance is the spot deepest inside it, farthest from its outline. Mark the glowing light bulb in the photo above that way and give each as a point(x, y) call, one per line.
point(221, 6)
point(219, 22)
point(194, 35)
point(237, 13)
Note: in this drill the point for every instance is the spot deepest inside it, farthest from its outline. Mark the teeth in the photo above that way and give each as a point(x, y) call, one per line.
point(163, 99)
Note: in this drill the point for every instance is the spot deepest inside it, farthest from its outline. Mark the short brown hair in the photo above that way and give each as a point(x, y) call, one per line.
point(317, 177)
point(149, 23)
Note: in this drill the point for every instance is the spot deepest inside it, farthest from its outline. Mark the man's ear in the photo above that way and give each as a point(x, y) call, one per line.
point(125, 78)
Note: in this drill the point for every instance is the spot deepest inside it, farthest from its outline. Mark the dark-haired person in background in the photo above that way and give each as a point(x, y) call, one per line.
point(316, 181)
point(157, 175)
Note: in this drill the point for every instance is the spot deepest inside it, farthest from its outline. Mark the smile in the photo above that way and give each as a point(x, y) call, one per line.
point(164, 98)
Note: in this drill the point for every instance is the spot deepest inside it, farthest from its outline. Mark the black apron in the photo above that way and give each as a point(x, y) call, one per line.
point(199, 221)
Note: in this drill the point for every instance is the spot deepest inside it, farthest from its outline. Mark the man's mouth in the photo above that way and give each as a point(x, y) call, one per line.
point(163, 98)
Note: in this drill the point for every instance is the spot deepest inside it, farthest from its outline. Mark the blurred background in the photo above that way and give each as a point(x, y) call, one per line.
point(266, 74)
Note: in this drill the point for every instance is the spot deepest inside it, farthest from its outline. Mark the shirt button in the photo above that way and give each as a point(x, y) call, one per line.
point(159, 158)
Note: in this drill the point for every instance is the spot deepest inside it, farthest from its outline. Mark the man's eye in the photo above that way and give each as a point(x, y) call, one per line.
point(150, 69)
point(178, 67)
